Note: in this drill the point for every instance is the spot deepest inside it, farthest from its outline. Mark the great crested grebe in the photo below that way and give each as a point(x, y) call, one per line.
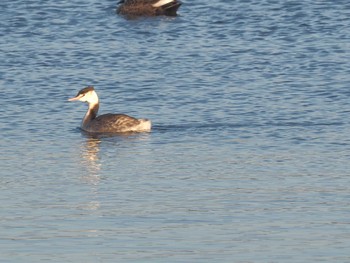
point(107, 122)
point(148, 7)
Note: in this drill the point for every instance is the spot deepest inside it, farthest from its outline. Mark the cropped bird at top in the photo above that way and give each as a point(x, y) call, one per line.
point(107, 123)
point(134, 8)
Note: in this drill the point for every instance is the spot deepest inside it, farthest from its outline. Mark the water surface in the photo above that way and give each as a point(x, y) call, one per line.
point(248, 160)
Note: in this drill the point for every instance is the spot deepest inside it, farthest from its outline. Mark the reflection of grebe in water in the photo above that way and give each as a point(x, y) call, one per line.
point(90, 166)
point(107, 123)
point(90, 160)
point(89, 154)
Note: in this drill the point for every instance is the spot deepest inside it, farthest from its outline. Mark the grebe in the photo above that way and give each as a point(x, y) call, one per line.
point(107, 122)
point(148, 7)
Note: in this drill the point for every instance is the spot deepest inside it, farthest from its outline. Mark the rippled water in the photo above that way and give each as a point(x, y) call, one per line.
point(248, 160)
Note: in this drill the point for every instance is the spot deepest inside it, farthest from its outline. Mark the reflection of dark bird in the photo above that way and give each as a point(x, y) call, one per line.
point(107, 122)
point(148, 7)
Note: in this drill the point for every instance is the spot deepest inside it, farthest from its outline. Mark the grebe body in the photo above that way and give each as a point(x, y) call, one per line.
point(107, 123)
point(148, 7)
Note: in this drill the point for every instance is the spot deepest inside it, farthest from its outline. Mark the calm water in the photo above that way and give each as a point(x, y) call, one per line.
point(248, 160)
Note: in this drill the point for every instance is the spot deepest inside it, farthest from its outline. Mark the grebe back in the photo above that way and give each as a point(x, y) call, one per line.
point(111, 123)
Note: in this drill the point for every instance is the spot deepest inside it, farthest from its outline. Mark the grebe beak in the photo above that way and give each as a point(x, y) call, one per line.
point(78, 97)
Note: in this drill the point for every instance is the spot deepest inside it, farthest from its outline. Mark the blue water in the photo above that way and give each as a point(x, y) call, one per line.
point(248, 160)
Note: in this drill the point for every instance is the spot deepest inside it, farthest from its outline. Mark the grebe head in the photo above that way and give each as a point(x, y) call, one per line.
point(87, 94)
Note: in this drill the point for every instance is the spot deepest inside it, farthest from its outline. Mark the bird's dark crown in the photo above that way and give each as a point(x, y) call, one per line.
point(85, 90)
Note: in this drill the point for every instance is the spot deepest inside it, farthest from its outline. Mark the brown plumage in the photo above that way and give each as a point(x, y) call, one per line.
point(107, 123)
point(134, 8)
point(113, 123)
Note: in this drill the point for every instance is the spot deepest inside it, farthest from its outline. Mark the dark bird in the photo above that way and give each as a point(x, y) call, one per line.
point(111, 123)
point(134, 8)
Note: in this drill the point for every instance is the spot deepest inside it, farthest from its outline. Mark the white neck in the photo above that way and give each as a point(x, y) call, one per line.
point(90, 115)
point(91, 97)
